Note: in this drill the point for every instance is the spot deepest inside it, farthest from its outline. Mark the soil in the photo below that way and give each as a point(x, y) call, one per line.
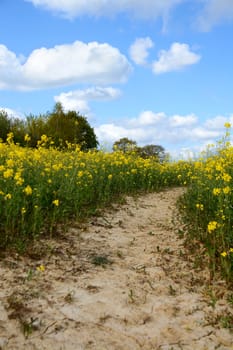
point(124, 280)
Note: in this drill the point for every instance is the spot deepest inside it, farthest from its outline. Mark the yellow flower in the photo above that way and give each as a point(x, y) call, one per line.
point(28, 190)
point(227, 125)
point(110, 176)
point(226, 177)
point(8, 173)
point(224, 254)
point(23, 211)
point(80, 173)
point(27, 138)
point(10, 137)
point(40, 268)
point(8, 196)
point(212, 225)
point(226, 190)
point(216, 191)
point(200, 206)
point(56, 202)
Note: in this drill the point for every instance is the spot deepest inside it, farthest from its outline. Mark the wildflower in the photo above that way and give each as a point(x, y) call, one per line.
point(23, 211)
point(44, 138)
point(216, 191)
point(10, 137)
point(18, 179)
point(200, 206)
point(212, 225)
point(226, 177)
point(27, 138)
point(80, 173)
point(110, 176)
point(224, 254)
point(56, 202)
point(28, 190)
point(40, 268)
point(226, 190)
point(8, 196)
point(8, 173)
point(227, 125)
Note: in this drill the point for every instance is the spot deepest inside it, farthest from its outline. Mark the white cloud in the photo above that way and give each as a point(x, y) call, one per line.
point(177, 57)
point(10, 68)
point(216, 122)
point(13, 114)
point(139, 50)
point(141, 9)
point(182, 121)
point(78, 99)
point(215, 11)
point(61, 65)
point(147, 118)
point(181, 135)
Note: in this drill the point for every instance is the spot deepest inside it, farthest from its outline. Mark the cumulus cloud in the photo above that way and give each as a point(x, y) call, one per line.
point(181, 135)
point(176, 58)
point(10, 68)
point(141, 9)
point(183, 121)
point(139, 50)
point(78, 99)
point(147, 118)
point(215, 12)
point(61, 65)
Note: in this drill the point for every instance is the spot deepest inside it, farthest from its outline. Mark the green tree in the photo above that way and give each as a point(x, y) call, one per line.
point(35, 127)
point(70, 127)
point(18, 129)
point(155, 151)
point(5, 125)
point(125, 145)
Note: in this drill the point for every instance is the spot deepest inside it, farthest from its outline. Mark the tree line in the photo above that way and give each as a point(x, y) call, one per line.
point(59, 126)
point(149, 151)
point(64, 128)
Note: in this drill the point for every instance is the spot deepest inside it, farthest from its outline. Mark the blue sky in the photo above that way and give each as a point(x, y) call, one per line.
point(155, 71)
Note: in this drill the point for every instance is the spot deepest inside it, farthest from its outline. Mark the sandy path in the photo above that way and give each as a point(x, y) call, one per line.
point(121, 282)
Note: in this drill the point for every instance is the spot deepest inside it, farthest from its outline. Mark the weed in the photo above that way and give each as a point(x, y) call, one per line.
point(172, 291)
point(131, 296)
point(69, 298)
point(100, 260)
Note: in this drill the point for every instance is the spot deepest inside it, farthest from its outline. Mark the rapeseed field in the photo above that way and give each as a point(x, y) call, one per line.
point(42, 188)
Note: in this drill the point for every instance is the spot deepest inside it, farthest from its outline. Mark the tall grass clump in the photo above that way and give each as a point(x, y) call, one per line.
point(207, 206)
point(43, 187)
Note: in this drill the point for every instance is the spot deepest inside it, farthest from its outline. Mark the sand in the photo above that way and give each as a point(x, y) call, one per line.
point(124, 280)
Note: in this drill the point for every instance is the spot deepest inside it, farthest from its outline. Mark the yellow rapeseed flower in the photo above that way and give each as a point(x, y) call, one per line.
point(41, 268)
point(227, 125)
point(23, 211)
point(56, 202)
point(224, 254)
point(216, 191)
point(212, 225)
point(8, 196)
point(200, 206)
point(226, 177)
point(28, 190)
point(8, 173)
point(27, 138)
point(226, 190)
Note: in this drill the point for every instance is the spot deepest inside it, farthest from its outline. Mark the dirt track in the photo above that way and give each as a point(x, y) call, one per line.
point(123, 281)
